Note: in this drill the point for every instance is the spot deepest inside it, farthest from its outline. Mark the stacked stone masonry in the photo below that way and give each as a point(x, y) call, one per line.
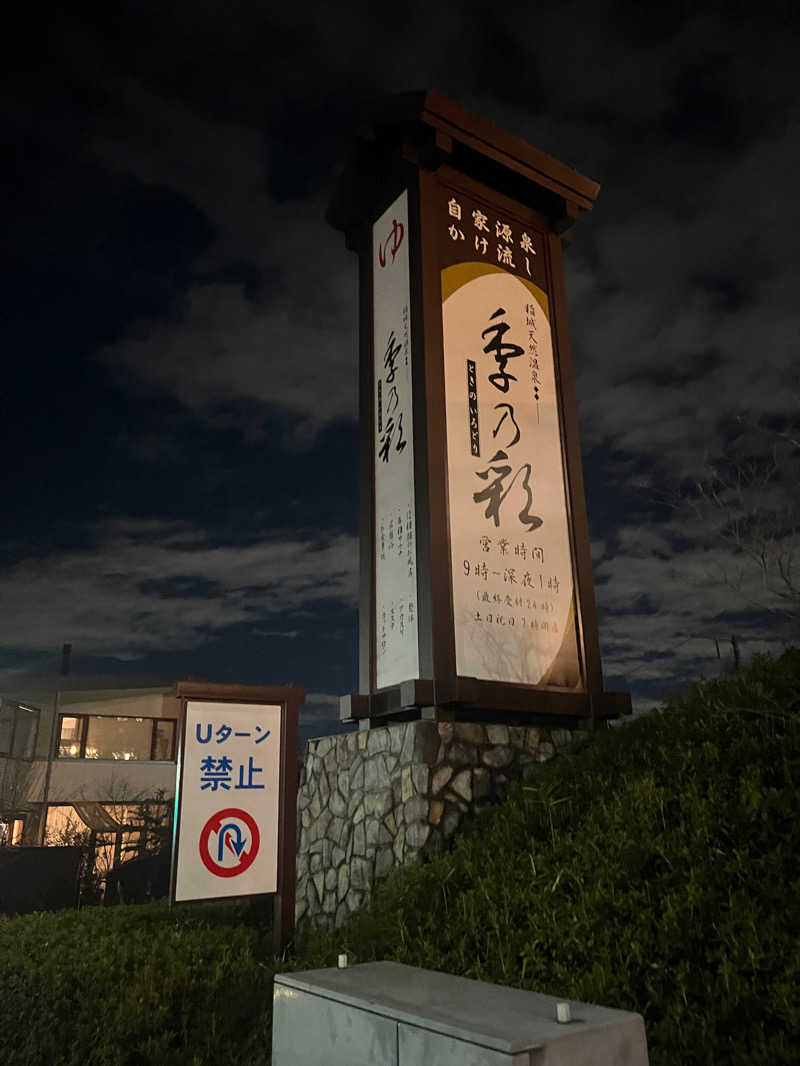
point(375, 800)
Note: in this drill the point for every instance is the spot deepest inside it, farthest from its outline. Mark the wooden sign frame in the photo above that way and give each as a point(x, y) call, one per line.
point(420, 143)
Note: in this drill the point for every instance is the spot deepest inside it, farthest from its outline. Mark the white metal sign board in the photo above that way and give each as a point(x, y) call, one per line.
point(397, 652)
point(229, 801)
point(513, 606)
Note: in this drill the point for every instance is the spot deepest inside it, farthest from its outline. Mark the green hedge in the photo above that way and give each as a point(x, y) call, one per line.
point(136, 986)
point(656, 869)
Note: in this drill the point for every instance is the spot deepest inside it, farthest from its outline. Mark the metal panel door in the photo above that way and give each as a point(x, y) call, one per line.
point(310, 1030)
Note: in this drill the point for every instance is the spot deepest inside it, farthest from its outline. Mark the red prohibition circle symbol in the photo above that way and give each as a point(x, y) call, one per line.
point(230, 842)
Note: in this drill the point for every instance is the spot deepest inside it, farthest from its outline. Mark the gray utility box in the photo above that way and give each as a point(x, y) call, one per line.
point(386, 1014)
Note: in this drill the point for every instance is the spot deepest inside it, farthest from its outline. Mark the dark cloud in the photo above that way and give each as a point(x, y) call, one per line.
point(151, 585)
point(181, 395)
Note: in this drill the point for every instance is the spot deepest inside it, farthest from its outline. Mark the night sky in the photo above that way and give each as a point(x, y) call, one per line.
point(179, 336)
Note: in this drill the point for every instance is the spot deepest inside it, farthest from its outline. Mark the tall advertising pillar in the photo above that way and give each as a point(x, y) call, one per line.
point(476, 581)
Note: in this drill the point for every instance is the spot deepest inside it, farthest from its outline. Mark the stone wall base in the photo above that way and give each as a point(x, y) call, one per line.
point(372, 801)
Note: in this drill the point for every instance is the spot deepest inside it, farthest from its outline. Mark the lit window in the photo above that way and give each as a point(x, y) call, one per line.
point(64, 827)
point(11, 832)
point(121, 738)
point(164, 739)
point(71, 736)
point(116, 832)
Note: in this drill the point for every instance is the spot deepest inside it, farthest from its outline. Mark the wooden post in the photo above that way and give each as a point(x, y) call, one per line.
point(283, 905)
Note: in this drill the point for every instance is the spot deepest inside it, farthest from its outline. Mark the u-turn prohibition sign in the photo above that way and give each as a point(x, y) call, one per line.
point(229, 842)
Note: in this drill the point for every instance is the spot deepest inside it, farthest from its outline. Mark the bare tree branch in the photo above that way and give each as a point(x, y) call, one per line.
point(747, 504)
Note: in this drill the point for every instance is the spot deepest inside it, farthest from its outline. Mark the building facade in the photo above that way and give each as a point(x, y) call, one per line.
point(88, 760)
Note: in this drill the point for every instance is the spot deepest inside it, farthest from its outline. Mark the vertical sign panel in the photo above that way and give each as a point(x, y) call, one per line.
point(397, 651)
point(512, 568)
point(229, 801)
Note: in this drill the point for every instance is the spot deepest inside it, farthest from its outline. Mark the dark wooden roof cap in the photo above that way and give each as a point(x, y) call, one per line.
point(429, 129)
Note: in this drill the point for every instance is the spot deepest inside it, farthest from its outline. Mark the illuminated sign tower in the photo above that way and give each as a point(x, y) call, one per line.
point(476, 580)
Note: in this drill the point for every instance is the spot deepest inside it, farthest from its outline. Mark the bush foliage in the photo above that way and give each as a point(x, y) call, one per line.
point(136, 986)
point(654, 869)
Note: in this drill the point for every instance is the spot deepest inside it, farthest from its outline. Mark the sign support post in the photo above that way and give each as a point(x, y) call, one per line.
point(476, 582)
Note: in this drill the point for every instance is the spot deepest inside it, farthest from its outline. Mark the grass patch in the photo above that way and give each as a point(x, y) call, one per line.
point(656, 869)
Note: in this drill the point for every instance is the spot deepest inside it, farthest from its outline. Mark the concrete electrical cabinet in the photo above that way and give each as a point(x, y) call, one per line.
point(387, 1014)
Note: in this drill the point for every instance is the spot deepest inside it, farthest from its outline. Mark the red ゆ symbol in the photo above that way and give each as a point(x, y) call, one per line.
point(234, 845)
point(395, 238)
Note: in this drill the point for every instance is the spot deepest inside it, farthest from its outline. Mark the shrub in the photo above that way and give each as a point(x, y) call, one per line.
point(136, 986)
point(655, 869)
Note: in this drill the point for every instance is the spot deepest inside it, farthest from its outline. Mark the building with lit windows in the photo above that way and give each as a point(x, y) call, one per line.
point(82, 759)
point(92, 761)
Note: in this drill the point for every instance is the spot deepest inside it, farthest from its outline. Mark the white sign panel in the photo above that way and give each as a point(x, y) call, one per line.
point(397, 652)
point(229, 801)
point(513, 605)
